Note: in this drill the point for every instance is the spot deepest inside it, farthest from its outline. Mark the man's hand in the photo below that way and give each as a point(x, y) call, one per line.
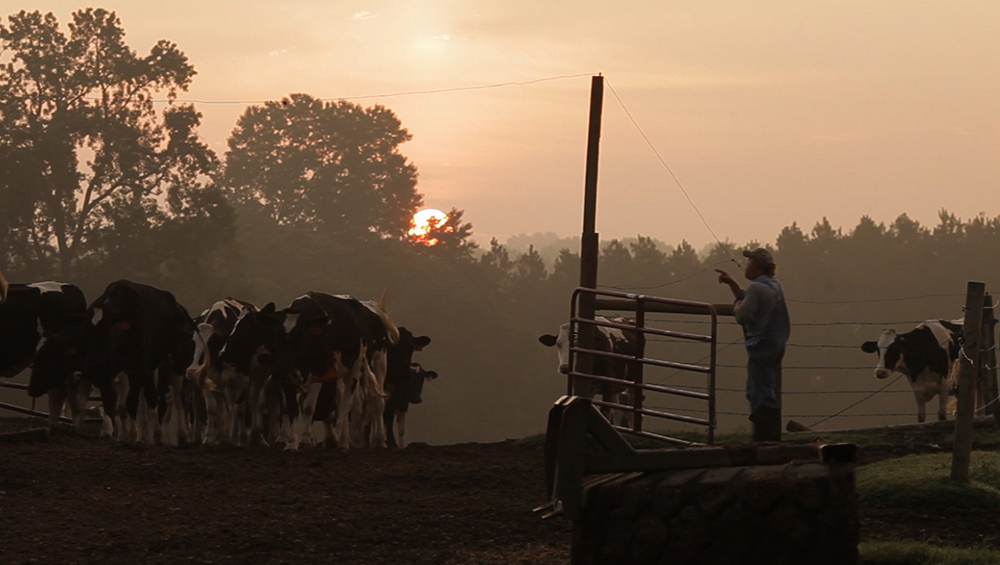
point(725, 278)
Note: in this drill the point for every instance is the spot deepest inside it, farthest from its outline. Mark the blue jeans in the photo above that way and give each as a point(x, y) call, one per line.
point(763, 370)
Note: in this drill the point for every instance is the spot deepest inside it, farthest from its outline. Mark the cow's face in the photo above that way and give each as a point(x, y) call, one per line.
point(413, 387)
point(59, 356)
point(890, 348)
point(400, 355)
point(561, 342)
point(202, 359)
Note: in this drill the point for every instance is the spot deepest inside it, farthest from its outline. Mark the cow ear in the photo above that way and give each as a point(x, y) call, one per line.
point(869, 346)
point(548, 340)
point(430, 375)
point(421, 342)
point(269, 309)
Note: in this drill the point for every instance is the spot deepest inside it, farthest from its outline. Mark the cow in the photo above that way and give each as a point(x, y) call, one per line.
point(607, 339)
point(927, 355)
point(31, 316)
point(225, 388)
point(138, 347)
point(258, 344)
point(338, 343)
point(404, 382)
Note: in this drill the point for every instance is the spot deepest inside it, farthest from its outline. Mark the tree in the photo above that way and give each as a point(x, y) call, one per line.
point(332, 166)
point(449, 239)
point(84, 154)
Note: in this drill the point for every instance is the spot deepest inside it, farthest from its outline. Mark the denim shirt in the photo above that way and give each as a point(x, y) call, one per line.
point(763, 315)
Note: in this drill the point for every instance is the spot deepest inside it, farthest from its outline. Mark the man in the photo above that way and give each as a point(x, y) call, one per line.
point(761, 310)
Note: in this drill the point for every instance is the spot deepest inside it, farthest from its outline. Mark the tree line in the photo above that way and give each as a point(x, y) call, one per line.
point(103, 176)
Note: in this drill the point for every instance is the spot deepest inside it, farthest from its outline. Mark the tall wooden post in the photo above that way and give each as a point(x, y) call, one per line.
point(589, 241)
point(968, 356)
point(988, 360)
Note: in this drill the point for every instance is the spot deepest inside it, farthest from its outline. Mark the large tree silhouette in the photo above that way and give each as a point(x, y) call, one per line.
point(87, 163)
point(330, 166)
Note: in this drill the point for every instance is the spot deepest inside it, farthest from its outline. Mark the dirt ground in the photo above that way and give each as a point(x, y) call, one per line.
point(74, 499)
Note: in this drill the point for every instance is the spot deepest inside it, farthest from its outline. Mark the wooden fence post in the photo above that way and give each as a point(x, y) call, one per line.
point(968, 357)
point(988, 360)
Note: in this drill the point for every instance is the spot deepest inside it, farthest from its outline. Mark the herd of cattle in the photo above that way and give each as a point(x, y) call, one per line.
point(235, 373)
point(928, 356)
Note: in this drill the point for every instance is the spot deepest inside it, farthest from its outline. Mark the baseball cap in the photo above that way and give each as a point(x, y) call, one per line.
point(761, 255)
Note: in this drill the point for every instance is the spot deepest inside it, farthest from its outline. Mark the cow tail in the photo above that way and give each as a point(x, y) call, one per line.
point(390, 325)
point(372, 386)
point(3, 289)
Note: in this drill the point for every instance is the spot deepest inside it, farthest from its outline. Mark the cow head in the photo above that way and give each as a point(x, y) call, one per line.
point(59, 355)
point(890, 349)
point(561, 342)
point(400, 355)
point(414, 386)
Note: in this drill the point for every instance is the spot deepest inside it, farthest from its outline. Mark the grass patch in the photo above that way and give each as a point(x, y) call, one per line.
point(914, 553)
point(924, 481)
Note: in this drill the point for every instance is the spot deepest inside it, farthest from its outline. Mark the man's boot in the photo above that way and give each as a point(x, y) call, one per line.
point(766, 424)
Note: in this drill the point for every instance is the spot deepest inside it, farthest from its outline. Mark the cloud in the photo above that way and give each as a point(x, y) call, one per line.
point(364, 15)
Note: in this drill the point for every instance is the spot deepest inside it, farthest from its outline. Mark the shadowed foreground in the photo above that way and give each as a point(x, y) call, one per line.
point(81, 500)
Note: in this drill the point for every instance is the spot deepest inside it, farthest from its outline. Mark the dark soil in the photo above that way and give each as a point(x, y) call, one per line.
point(77, 499)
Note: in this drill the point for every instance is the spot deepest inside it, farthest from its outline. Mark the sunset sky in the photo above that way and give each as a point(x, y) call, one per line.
point(768, 112)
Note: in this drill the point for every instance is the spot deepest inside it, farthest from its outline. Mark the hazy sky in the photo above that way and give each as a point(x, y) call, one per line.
point(768, 112)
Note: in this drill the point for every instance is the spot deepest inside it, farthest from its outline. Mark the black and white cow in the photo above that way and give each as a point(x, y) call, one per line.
point(339, 343)
point(611, 340)
point(31, 315)
point(138, 349)
point(258, 344)
point(404, 382)
point(927, 355)
point(225, 388)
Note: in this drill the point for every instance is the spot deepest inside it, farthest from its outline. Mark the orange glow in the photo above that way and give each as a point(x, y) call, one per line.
point(422, 224)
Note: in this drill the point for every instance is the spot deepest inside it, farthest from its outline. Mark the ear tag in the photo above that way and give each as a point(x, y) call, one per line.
point(315, 330)
point(125, 325)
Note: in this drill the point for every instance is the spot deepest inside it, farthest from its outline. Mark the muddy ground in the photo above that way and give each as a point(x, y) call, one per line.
point(75, 499)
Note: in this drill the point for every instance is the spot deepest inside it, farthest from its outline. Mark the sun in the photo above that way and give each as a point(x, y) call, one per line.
point(422, 223)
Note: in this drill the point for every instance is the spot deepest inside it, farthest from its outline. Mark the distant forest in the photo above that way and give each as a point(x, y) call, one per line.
point(100, 181)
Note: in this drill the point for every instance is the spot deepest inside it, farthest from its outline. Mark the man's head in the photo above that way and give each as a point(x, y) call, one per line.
point(761, 262)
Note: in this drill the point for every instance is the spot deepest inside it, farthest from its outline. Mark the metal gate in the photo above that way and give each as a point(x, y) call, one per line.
point(580, 358)
point(37, 413)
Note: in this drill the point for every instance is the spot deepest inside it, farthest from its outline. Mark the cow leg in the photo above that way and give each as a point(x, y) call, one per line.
point(211, 418)
point(387, 420)
point(177, 398)
point(57, 399)
point(942, 403)
point(151, 393)
point(132, 409)
point(236, 386)
point(401, 424)
point(377, 400)
point(109, 398)
point(921, 408)
point(78, 400)
point(255, 403)
point(345, 399)
point(302, 430)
